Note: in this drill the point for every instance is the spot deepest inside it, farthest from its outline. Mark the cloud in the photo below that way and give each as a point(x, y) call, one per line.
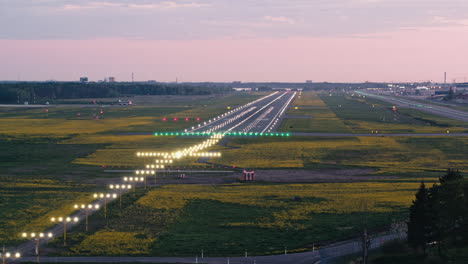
point(204, 19)
point(446, 21)
point(158, 6)
point(280, 19)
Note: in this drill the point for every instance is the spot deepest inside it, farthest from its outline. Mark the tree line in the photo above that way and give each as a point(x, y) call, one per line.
point(439, 215)
point(36, 92)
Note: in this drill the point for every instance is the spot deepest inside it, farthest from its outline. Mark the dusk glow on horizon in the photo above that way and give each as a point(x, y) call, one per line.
point(224, 41)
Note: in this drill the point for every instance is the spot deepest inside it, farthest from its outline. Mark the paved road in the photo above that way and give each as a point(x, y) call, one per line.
point(438, 110)
point(322, 255)
point(261, 115)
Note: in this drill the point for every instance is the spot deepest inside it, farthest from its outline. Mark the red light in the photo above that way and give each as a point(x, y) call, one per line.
point(175, 119)
point(47, 110)
point(78, 114)
point(164, 119)
point(198, 119)
point(186, 119)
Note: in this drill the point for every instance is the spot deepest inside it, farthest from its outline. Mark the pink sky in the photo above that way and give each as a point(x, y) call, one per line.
point(417, 54)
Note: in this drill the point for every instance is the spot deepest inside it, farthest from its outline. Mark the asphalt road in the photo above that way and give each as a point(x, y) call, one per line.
point(322, 255)
point(433, 109)
point(262, 115)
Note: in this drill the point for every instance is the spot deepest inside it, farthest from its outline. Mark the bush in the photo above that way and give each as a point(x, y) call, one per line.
point(395, 247)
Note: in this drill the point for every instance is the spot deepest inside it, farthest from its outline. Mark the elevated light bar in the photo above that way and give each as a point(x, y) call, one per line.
point(276, 134)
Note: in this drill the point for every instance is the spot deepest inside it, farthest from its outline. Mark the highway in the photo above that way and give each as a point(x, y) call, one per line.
point(433, 109)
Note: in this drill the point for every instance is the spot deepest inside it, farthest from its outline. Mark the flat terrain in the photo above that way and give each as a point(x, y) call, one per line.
point(309, 190)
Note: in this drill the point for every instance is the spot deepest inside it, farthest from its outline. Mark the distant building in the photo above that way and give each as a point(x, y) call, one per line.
point(111, 79)
point(236, 82)
point(422, 88)
point(83, 79)
point(308, 81)
point(242, 89)
point(441, 92)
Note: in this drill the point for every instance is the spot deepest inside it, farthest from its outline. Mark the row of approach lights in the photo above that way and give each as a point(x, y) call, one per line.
point(182, 153)
point(277, 134)
point(65, 220)
point(7, 255)
point(177, 119)
point(188, 151)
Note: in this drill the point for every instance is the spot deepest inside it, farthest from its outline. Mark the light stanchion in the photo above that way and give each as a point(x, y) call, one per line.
point(37, 238)
point(64, 221)
point(120, 188)
point(145, 173)
point(135, 180)
point(8, 255)
point(86, 208)
point(105, 196)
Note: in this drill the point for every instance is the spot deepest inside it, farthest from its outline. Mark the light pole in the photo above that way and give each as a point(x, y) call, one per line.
point(37, 237)
point(120, 187)
point(135, 180)
point(7, 255)
point(149, 172)
point(86, 208)
point(64, 221)
point(105, 196)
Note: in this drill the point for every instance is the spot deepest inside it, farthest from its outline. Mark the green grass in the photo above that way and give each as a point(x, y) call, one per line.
point(312, 125)
point(224, 220)
point(43, 174)
point(402, 156)
point(365, 115)
point(34, 174)
point(71, 113)
point(316, 117)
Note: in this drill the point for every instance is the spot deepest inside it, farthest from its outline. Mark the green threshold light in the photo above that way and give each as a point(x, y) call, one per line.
point(250, 134)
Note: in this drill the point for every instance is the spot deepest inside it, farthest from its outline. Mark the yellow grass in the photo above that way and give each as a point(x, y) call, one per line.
point(368, 127)
point(64, 208)
point(62, 126)
point(338, 198)
point(114, 243)
point(308, 99)
point(384, 153)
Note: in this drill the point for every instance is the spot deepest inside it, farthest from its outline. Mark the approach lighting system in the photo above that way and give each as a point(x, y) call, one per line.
point(231, 133)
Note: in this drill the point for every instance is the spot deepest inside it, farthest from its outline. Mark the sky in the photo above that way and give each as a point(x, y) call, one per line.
point(234, 40)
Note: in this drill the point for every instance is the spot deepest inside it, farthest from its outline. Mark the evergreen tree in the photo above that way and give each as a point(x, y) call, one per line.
point(450, 94)
point(450, 176)
point(419, 222)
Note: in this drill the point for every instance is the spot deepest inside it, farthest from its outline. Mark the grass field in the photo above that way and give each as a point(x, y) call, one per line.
point(316, 116)
point(182, 220)
point(50, 161)
point(388, 155)
point(322, 113)
point(364, 115)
